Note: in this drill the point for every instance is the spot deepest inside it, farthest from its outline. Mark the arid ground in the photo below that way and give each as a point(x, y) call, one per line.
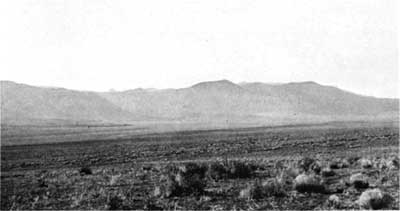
point(249, 168)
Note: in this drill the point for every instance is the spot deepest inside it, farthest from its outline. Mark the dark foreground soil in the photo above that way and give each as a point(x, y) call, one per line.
point(125, 172)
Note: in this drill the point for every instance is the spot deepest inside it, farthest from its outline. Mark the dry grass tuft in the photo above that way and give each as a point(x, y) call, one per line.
point(374, 199)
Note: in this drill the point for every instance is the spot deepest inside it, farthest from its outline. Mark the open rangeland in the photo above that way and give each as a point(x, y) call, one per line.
point(326, 166)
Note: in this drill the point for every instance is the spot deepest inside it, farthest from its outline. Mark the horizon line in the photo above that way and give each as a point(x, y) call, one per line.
point(110, 90)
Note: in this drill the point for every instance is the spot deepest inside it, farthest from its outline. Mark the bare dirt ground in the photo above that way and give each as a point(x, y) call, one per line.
point(127, 173)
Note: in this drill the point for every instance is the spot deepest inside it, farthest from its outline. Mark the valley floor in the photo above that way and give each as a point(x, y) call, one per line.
point(123, 173)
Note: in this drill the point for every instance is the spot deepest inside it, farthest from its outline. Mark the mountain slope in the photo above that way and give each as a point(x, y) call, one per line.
point(312, 98)
point(213, 101)
point(24, 104)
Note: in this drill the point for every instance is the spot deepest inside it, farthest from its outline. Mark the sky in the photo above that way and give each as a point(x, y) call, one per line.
point(100, 45)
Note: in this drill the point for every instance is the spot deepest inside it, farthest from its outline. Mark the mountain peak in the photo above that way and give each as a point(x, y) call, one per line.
point(303, 83)
point(220, 84)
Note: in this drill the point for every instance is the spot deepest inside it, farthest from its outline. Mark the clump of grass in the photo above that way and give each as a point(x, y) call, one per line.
point(258, 190)
point(316, 167)
point(339, 163)
point(286, 176)
point(85, 171)
point(365, 163)
point(274, 188)
point(359, 181)
point(187, 179)
point(252, 191)
point(305, 163)
point(115, 203)
point(217, 171)
point(374, 199)
point(239, 169)
point(230, 170)
point(327, 172)
point(334, 202)
point(394, 163)
point(308, 184)
point(352, 159)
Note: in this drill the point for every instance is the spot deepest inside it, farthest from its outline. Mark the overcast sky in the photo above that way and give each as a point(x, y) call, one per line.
point(99, 45)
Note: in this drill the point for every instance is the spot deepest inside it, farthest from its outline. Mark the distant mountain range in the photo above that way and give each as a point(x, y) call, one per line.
point(207, 102)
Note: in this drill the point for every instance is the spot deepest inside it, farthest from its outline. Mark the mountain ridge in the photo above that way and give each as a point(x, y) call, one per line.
point(209, 101)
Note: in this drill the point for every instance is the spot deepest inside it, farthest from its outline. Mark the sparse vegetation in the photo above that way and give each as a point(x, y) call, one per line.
point(308, 184)
point(85, 170)
point(207, 171)
point(365, 163)
point(305, 163)
point(184, 180)
point(374, 199)
point(334, 202)
point(327, 172)
point(359, 181)
point(115, 203)
point(339, 163)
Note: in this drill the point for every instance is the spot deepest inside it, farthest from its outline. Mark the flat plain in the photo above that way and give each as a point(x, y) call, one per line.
point(227, 167)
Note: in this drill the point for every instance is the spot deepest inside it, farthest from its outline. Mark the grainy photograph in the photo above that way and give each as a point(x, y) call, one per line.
point(199, 105)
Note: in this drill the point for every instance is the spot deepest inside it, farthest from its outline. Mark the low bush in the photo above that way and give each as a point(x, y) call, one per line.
point(305, 163)
point(184, 180)
point(327, 172)
point(239, 169)
point(352, 159)
point(359, 181)
point(230, 170)
point(339, 163)
point(308, 184)
point(394, 163)
point(273, 188)
point(258, 190)
point(316, 167)
point(334, 202)
point(286, 176)
point(217, 171)
point(115, 203)
point(365, 163)
point(85, 171)
point(252, 191)
point(374, 199)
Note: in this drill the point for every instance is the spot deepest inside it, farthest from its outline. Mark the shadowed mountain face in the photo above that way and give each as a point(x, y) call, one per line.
point(23, 104)
point(206, 101)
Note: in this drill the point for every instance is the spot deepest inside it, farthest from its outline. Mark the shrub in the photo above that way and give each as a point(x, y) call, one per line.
point(273, 188)
point(188, 179)
point(394, 163)
point(374, 199)
point(334, 201)
point(316, 167)
point(327, 172)
point(339, 163)
point(42, 183)
point(345, 163)
point(230, 170)
point(239, 169)
point(352, 159)
point(217, 171)
point(252, 191)
point(258, 190)
point(287, 176)
point(308, 184)
point(115, 203)
point(359, 181)
point(169, 187)
point(85, 171)
point(365, 163)
point(305, 163)
point(334, 164)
